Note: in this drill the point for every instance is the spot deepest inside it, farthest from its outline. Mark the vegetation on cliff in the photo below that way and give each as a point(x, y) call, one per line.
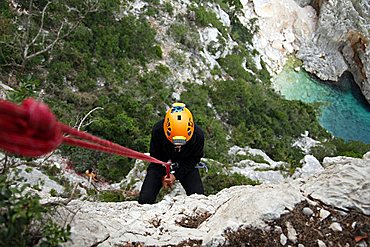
point(80, 55)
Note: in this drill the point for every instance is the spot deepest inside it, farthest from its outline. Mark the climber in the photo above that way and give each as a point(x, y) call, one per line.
point(178, 140)
point(91, 175)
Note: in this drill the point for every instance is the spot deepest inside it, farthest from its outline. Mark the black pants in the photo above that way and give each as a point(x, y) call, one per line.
point(153, 184)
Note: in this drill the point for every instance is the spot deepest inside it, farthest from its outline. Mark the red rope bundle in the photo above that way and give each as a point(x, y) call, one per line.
point(32, 130)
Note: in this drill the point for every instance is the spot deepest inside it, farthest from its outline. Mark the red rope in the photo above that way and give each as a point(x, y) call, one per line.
point(32, 130)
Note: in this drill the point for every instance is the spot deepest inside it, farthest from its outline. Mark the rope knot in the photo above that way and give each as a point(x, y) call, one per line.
point(42, 124)
point(30, 129)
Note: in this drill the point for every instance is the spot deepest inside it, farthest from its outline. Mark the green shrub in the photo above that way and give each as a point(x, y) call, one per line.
point(24, 221)
point(28, 87)
point(185, 34)
point(111, 196)
point(214, 183)
point(205, 18)
point(241, 33)
point(178, 58)
point(340, 147)
point(233, 65)
point(153, 2)
point(137, 39)
point(229, 6)
point(213, 47)
point(354, 149)
point(85, 83)
point(53, 192)
point(114, 168)
point(256, 158)
point(217, 179)
point(109, 166)
point(51, 170)
point(168, 8)
point(179, 31)
point(8, 53)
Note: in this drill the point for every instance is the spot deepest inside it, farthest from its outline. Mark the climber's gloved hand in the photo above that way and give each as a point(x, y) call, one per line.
point(168, 182)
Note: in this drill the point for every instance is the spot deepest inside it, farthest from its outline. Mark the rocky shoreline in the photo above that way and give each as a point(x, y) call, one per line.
point(330, 37)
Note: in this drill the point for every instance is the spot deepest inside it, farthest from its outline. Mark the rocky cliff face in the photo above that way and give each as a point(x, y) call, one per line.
point(328, 199)
point(327, 206)
point(330, 37)
point(340, 42)
point(283, 25)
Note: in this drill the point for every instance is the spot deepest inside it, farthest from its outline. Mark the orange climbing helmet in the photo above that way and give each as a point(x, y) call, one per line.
point(178, 124)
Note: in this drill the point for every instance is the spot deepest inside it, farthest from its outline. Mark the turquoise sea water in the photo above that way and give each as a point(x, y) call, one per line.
point(345, 112)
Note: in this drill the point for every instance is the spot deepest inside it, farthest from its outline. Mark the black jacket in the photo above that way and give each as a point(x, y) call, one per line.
point(188, 157)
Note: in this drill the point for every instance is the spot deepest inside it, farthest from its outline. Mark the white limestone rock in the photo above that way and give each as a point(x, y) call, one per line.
point(292, 233)
point(311, 166)
point(38, 180)
point(343, 186)
point(222, 15)
point(262, 172)
point(338, 43)
point(156, 224)
point(235, 150)
point(324, 214)
point(339, 160)
point(282, 25)
point(305, 143)
point(260, 176)
point(366, 156)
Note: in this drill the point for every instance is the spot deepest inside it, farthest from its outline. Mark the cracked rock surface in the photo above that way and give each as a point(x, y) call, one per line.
point(240, 213)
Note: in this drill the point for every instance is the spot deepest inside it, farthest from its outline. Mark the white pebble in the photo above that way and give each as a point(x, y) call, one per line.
point(292, 233)
point(283, 239)
point(324, 214)
point(335, 226)
point(321, 243)
point(307, 211)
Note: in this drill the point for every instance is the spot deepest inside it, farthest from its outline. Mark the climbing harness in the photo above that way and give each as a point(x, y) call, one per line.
point(202, 165)
point(32, 130)
point(170, 168)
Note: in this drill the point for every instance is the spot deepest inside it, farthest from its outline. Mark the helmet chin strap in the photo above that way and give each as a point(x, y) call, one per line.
point(178, 148)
